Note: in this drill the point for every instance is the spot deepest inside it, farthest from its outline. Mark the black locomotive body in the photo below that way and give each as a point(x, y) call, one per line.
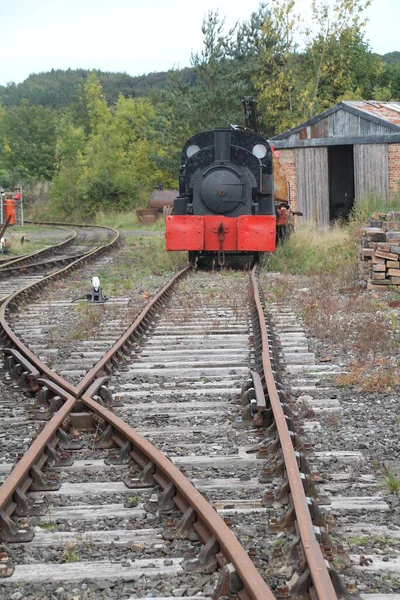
point(226, 195)
point(226, 172)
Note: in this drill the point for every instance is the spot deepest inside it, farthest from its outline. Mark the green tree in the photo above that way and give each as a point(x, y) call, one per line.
point(278, 81)
point(338, 61)
point(28, 141)
point(67, 188)
point(99, 115)
point(335, 62)
point(223, 73)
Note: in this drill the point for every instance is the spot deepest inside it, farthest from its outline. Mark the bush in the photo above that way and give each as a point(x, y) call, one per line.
point(310, 250)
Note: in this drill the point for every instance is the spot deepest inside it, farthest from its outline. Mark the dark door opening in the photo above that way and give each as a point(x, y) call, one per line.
point(341, 181)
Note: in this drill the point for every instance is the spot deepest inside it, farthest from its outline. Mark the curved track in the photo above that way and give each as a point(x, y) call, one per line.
point(87, 406)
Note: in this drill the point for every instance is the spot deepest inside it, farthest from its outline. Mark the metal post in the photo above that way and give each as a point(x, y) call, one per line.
point(22, 209)
point(1, 204)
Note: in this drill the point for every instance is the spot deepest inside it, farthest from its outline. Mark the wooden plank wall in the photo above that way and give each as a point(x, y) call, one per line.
point(371, 170)
point(312, 184)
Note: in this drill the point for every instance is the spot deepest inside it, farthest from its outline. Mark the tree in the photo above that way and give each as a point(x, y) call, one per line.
point(28, 141)
point(223, 73)
point(99, 115)
point(67, 187)
point(277, 82)
point(338, 61)
point(333, 63)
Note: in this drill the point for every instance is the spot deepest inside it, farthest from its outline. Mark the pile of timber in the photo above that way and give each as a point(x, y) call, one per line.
point(380, 252)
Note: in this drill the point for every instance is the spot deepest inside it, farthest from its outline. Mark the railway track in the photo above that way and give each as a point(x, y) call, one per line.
point(349, 436)
point(28, 269)
point(95, 508)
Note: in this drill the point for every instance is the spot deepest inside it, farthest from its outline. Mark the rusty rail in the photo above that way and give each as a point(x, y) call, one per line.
point(13, 339)
point(165, 473)
point(318, 568)
point(206, 521)
point(254, 585)
point(22, 468)
point(28, 258)
point(120, 345)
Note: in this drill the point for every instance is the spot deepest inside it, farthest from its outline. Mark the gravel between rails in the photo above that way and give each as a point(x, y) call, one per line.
point(14, 405)
point(359, 434)
point(70, 335)
point(181, 391)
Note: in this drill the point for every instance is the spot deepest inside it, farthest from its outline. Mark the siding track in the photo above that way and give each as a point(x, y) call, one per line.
point(97, 507)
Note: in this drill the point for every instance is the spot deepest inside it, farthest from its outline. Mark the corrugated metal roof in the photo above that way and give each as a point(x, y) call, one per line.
point(388, 111)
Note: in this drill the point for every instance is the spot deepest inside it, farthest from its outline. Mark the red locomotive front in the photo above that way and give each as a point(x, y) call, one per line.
point(226, 196)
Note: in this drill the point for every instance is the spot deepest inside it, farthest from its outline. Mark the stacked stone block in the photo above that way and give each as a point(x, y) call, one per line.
point(380, 252)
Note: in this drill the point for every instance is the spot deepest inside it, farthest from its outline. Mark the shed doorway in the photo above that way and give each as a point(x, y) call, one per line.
point(341, 181)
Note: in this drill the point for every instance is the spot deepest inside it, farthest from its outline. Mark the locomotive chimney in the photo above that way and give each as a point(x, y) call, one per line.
point(222, 143)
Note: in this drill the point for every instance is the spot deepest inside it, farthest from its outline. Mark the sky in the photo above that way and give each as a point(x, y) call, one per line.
point(134, 36)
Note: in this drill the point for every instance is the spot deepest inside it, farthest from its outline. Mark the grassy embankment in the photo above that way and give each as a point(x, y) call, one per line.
point(30, 238)
point(349, 321)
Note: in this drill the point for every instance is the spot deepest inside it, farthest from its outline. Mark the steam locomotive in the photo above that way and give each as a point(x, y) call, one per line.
point(226, 201)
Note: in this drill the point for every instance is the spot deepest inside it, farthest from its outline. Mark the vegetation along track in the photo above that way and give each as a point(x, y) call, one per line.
point(176, 375)
point(27, 269)
point(355, 449)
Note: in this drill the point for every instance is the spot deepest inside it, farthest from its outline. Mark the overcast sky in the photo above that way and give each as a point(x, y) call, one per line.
point(133, 36)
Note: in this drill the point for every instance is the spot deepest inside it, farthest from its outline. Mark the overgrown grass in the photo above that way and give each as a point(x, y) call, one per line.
point(21, 239)
point(370, 204)
point(391, 482)
point(139, 261)
point(331, 305)
point(311, 250)
point(43, 210)
point(372, 377)
point(125, 221)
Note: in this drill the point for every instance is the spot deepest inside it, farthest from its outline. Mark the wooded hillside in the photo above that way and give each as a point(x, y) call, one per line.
point(104, 139)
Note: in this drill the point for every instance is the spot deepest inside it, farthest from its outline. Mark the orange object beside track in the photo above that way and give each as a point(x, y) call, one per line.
point(9, 210)
point(249, 233)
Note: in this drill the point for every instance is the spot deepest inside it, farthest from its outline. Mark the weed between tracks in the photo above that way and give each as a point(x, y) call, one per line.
point(358, 326)
point(90, 320)
point(392, 482)
point(75, 546)
point(134, 266)
point(196, 296)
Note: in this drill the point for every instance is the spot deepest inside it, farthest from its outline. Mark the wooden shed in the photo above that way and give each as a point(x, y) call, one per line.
point(335, 158)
